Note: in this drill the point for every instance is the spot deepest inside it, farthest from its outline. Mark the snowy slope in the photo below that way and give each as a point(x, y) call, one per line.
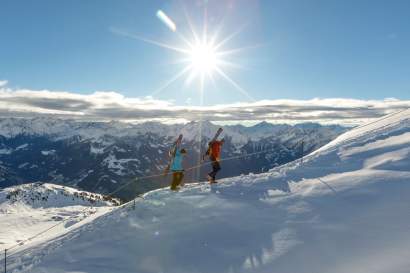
point(29, 209)
point(344, 210)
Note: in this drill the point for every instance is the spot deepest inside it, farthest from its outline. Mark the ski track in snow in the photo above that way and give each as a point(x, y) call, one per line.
point(344, 210)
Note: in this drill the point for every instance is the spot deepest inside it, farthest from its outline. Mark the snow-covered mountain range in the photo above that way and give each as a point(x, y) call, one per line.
point(27, 210)
point(103, 156)
point(343, 210)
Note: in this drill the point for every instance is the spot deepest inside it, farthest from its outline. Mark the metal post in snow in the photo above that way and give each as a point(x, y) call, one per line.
point(5, 261)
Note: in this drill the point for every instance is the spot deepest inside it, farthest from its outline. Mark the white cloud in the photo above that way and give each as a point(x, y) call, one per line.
point(3, 83)
point(114, 106)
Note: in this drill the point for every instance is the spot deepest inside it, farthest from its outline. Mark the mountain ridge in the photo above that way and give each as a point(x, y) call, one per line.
point(101, 157)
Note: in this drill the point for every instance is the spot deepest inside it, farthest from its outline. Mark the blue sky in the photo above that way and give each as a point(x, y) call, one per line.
point(303, 49)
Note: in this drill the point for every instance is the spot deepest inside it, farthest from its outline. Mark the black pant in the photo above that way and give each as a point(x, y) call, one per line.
point(216, 167)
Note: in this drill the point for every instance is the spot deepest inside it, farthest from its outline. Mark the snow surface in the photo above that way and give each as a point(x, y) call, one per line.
point(344, 210)
point(28, 209)
point(5, 151)
point(21, 147)
point(50, 152)
point(119, 165)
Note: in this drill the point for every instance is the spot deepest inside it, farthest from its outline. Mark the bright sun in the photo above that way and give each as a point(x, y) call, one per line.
point(203, 58)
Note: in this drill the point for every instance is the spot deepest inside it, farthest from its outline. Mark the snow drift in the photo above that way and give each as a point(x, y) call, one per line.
point(345, 209)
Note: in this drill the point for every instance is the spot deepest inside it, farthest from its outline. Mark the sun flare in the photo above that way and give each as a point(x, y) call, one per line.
point(203, 58)
point(204, 55)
